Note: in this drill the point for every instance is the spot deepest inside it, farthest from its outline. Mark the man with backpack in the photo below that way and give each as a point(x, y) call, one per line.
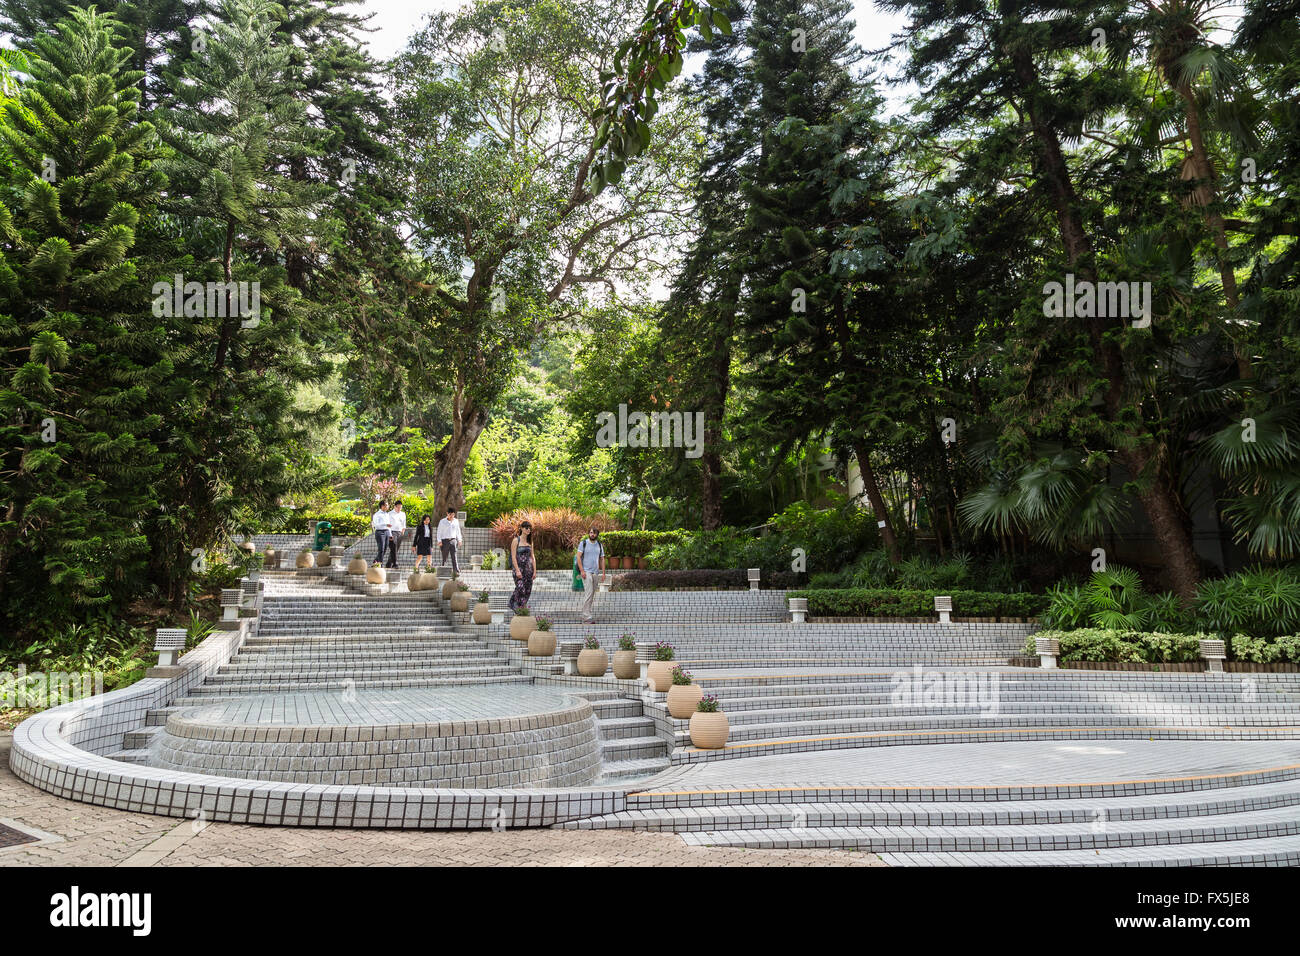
point(591, 562)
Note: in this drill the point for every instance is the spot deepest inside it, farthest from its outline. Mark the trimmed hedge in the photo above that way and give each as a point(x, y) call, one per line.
point(1258, 650)
point(888, 602)
point(725, 578)
point(1101, 644)
point(344, 524)
point(637, 544)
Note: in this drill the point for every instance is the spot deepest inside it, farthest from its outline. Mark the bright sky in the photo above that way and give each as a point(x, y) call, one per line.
point(396, 20)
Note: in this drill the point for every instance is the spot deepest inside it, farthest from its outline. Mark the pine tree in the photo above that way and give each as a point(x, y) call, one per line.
point(233, 440)
point(79, 364)
point(819, 173)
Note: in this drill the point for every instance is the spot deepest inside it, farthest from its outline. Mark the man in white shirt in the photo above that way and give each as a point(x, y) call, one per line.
point(379, 524)
point(449, 539)
point(591, 563)
point(396, 532)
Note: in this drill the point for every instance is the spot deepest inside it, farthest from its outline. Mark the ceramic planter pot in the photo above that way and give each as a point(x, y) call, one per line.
point(592, 663)
point(628, 563)
point(709, 731)
point(460, 601)
point(682, 699)
point(625, 665)
point(416, 582)
point(449, 590)
point(305, 560)
point(482, 613)
point(322, 559)
point(357, 566)
point(522, 628)
point(541, 643)
point(376, 575)
point(641, 564)
point(659, 675)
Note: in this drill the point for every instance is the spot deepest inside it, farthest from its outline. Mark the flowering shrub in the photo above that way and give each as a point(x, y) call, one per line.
point(681, 676)
point(482, 597)
point(664, 651)
point(627, 642)
point(543, 623)
point(553, 528)
point(375, 488)
point(708, 704)
point(591, 643)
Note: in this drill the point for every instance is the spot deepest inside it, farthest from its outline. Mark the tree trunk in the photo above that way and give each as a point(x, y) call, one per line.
point(468, 422)
point(877, 502)
point(1160, 500)
point(715, 407)
point(1169, 522)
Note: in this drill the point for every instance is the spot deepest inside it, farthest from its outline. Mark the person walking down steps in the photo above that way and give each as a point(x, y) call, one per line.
point(422, 542)
point(396, 532)
point(449, 540)
point(380, 525)
point(521, 559)
point(591, 562)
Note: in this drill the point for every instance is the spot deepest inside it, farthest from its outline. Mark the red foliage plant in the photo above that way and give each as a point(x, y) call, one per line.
point(553, 528)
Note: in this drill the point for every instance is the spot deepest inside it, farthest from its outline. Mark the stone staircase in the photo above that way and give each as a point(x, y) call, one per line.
point(1219, 821)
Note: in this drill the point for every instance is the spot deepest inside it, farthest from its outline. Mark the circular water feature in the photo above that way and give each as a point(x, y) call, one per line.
point(512, 735)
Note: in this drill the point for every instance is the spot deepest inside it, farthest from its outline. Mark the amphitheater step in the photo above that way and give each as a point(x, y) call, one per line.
point(623, 770)
point(140, 756)
point(140, 738)
point(1276, 851)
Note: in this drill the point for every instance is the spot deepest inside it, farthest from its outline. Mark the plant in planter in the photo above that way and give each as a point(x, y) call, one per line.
point(592, 660)
point(460, 596)
point(709, 726)
point(541, 642)
point(482, 612)
point(523, 624)
point(659, 673)
point(451, 587)
point(625, 665)
point(683, 695)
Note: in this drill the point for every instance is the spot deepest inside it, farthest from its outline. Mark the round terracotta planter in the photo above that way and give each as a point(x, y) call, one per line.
point(376, 575)
point(270, 558)
point(659, 675)
point(522, 628)
point(541, 643)
point(641, 564)
point(417, 581)
point(322, 559)
point(482, 613)
point(682, 699)
point(709, 731)
point(628, 563)
point(305, 560)
point(357, 566)
point(460, 601)
point(592, 663)
point(625, 665)
point(449, 590)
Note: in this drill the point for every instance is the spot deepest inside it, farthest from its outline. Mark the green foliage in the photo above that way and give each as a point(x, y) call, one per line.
point(1260, 602)
point(1259, 650)
point(878, 602)
point(1108, 644)
point(681, 676)
point(1114, 600)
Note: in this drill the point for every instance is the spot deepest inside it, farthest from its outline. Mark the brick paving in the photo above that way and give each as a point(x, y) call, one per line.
point(94, 836)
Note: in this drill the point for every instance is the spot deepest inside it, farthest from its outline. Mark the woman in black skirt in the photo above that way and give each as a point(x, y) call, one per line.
point(422, 543)
point(521, 559)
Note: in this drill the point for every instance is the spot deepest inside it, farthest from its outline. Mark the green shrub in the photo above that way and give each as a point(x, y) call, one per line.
point(1260, 602)
point(1114, 600)
point(1259, 650)
point(892, 602)
point(1109, 644)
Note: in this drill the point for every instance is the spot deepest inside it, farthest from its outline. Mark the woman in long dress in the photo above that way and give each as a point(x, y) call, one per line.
point(521, 559)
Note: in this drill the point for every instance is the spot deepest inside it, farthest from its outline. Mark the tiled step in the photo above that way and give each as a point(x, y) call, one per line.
point(140, 738)
point(632, 748)
point(286, 687)
point(1263, 825)
point(624, 770)
point(617, 728)
point(1276, 851)
point(130, 756)
point(757, 816)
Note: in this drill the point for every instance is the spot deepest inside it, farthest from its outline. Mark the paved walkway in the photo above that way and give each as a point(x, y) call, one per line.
point(1031, 763)
point(83, 835)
